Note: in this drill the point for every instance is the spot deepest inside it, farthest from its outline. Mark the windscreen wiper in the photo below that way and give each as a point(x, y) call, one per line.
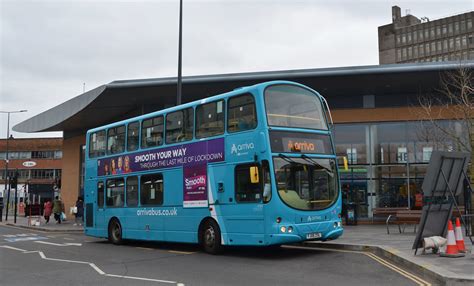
point(310, 160)
point(287, 159)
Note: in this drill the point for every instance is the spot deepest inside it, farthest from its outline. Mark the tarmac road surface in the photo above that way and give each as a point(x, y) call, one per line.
point(42, 258)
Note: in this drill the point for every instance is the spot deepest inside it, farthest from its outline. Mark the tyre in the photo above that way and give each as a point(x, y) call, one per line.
point(115, 232)
point(211, 237)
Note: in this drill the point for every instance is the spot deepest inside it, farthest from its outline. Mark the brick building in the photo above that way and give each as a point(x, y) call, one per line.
point(409, 39)
point(38, 162)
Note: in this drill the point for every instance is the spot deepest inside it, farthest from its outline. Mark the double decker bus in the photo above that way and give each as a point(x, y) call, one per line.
point(254, 166)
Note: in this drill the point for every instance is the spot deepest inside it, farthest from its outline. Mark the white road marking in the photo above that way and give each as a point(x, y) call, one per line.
point(67, 238)
point(60, 244)
point(92, 265)
point(12, 248)
point(140, 278)
point(25, 238)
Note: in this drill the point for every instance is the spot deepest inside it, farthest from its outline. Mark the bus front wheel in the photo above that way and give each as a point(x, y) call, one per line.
point(115, 232)
point(211, 238)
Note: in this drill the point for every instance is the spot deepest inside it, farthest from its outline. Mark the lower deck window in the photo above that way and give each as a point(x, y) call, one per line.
point(115, 192)
point(151, 189)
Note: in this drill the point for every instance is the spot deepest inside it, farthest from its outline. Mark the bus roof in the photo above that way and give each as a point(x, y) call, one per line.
point(236, 91)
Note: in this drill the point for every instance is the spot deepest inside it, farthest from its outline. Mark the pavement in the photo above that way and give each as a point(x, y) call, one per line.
point(52, 226)
point(395, 247)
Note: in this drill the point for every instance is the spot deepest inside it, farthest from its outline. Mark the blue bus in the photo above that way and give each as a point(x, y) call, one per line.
point(254, 166)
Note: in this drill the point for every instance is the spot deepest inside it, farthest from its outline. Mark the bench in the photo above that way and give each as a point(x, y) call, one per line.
point(403, 218)
point(385, 212)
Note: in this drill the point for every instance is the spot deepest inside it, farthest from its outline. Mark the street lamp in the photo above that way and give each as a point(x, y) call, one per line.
point(7, 183)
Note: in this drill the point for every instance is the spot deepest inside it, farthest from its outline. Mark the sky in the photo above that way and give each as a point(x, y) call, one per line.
point(50, 51)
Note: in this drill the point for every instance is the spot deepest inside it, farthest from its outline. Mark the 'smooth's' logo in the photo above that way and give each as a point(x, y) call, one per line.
point(195, 182)
point(242, 149)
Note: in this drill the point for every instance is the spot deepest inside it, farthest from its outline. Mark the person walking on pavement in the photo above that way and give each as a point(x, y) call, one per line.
point(48, 209)
point(79, 211)
point(57, 209)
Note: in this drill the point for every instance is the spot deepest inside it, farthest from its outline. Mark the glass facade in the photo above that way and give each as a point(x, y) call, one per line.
point(387, 161)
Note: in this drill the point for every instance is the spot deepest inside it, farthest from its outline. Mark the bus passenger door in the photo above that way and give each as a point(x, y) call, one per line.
point(99, 202)
point(241, 200)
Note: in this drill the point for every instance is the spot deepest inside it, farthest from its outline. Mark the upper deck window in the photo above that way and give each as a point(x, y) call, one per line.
point(132, 136)
point(152, 132)
point(294, 106)
point(210, 119)
point(242, 114)
point(179, 126)
point(97, 144)
point(116, 140)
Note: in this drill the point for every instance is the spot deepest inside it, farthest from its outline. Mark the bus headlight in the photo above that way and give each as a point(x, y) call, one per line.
point(290, 229)
point(283, 229)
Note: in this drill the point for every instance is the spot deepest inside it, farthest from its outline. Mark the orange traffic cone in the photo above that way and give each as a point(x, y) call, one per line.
point(451, 248)
point(459, 237)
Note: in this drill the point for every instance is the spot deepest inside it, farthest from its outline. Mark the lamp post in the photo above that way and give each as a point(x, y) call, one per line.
point(7, 178)
point(178, 99)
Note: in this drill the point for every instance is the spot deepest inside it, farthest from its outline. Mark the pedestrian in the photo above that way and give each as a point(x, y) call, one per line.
point(48, 209)
point(57, 209)
point(79, 211)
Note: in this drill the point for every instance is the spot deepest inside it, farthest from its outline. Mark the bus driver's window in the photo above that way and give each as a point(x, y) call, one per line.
point(245, 189)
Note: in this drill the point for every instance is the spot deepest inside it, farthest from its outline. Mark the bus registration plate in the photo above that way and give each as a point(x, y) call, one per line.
point(313, 235)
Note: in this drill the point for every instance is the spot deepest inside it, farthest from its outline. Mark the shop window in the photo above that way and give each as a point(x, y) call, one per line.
point(427, 153)
point(151, 190)
point(152, 132)
point(402, 155)
point(352, 155)
point(210, 119)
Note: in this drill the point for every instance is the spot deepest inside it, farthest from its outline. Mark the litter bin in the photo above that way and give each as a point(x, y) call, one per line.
point(351, 214)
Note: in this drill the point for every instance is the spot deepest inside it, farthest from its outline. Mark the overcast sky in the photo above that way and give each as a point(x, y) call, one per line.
point(48, 49)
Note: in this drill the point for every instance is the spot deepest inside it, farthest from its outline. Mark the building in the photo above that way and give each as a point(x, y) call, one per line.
point(375, 109)
point(38, 162)
point(410, 40)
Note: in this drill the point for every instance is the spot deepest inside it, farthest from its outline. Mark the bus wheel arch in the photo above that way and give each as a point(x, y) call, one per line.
point(115, 232)
point(209, 236)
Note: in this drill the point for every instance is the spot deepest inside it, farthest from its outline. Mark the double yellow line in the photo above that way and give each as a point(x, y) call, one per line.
point(384, 262)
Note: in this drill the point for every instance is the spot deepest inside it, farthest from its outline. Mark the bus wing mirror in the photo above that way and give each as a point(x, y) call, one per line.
point(254, 178)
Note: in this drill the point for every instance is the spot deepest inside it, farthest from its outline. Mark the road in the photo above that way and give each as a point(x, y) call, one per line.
point(39, 258)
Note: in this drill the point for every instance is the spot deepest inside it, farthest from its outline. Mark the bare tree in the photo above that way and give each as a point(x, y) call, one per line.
point(455, 101)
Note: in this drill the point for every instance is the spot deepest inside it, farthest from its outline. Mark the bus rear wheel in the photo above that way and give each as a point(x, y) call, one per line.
point(211, 238)
point(115, 232)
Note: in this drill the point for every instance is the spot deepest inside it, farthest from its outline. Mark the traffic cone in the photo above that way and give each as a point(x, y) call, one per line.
point(451, 248)
point(459, 237)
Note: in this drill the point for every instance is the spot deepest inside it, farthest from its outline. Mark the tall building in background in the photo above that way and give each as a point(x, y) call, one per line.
point(409, 39)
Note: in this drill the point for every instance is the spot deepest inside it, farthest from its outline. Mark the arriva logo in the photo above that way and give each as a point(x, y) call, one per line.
point(241, 149)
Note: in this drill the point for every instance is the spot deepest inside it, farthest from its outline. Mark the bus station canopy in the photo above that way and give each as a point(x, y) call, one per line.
point(127, 98)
